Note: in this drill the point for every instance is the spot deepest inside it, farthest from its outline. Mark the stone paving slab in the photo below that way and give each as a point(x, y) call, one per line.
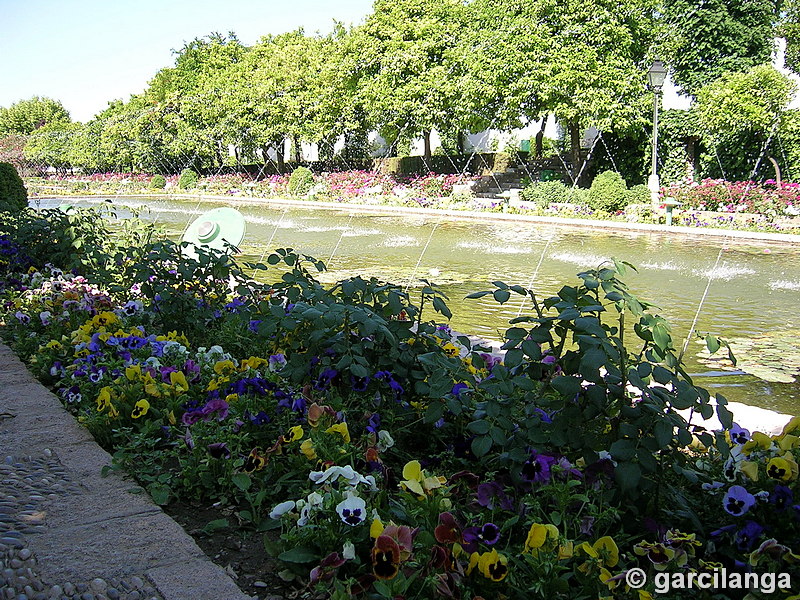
point(66, 532)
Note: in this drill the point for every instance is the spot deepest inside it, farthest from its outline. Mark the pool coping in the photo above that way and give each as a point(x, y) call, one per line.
point(471, 215)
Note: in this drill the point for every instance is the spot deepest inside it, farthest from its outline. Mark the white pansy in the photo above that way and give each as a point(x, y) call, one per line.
point(385, 440)
point(281, 509)
point(348, 551)
point(352, 510)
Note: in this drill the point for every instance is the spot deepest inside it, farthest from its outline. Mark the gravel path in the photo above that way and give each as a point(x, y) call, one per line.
point(68, 533)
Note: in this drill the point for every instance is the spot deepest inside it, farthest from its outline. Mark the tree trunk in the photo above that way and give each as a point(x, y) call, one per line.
point(426, 136)
point(298, 150)
point(460, 145)
point(279, 155)
point(575, 149)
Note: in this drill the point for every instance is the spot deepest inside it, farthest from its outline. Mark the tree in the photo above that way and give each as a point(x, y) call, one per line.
point(590, 72)
point(789, 29)
point(26, 116)
point(411, 68)
point(742, 111)
point(707, 38)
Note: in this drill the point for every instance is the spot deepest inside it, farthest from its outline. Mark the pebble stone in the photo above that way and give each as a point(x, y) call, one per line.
point(26, 484)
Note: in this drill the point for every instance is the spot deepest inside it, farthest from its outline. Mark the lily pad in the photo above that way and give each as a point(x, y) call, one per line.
point(772, 356)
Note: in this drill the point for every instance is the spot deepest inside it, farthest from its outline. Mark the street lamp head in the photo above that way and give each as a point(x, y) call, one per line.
point(656, 76)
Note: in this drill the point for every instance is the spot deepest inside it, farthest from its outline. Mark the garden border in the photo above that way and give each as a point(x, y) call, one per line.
point(66, 529)
point(470, 215)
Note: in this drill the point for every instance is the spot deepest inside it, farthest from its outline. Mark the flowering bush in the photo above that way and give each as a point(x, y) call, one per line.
point(396, 458)
point(768, 199)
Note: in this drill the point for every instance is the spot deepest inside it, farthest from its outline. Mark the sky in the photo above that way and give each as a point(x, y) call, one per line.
point(87, 53)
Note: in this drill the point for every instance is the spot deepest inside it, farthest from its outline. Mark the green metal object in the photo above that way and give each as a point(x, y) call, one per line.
point(216, 228)
point(66, 208)
point(525, 146)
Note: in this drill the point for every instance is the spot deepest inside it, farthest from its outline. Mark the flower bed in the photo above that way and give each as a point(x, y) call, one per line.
point(386, 456)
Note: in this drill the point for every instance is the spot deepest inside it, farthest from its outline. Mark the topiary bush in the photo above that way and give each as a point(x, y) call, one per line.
point(158, 182)
point(13, 195)
point(300, 181)
point(187, 180)
point(638, 194)
point(609, 192)
point(545, 193)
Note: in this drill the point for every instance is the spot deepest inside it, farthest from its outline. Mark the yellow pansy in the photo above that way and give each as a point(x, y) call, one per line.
point(450, 349)
point(415, 480)
point(376, 528)
point(150, 386)
point(133, 373)
point(538, 535)
point(758, 441)
point(307, 448)
point(788, 442)
point(295, 433)
point(493, 566)
point(54, 345)
point(750, 469)
point(171, 417)
point(341, 429)
point(178, 381)
point(254, 362)
point(605, 577)
point(105, 319)
point(104, 399)
point(793, 426)
point(231, 398)
point(782, 468)
point(140, 409)
point(224, 367)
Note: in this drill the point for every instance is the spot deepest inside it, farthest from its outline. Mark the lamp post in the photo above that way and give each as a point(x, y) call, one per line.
point(655, 79)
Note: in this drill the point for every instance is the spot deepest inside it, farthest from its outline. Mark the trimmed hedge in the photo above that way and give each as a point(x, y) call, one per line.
point(13, 195)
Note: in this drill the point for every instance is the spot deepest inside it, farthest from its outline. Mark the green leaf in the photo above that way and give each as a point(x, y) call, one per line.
point(628, 476)
point(481, 445)
point(663, 433)
point(712, 343)
point(479, 427)
point(623, 450)
point(300, 555)
point(501, 296)
point(567, 386)
point(242, 481)
point(159, 492)
point(215, 525)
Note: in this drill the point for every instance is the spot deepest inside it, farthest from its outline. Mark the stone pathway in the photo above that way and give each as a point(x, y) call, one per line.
point(68, 533)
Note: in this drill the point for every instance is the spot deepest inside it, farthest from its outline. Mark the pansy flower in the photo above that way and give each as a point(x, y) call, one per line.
point(254, 462)
point(493, 566)
point(738, 434)
point(781, 498)
point(489, 534)
point(538, 536)
point(537, 468)
point(327, 568)
point(658, 554)
point(219, 450)
point(737, 500)
point(281, 509)
point(352, 510)
point(140, 409)
point(782, 468)
point(417, 482)
point(385, 558)
point(341, 429)
point(448, 531)
point(747, 536)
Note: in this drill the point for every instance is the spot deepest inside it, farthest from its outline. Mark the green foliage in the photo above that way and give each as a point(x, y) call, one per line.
point(187, 180)
point(545, 193)
point(13, 195)
point(301, 181)
point(638, 194)
point(26, 116)
point(158, 182)
point(737, 115)
point(789, 29)
point(609, 192)
point(710, 38)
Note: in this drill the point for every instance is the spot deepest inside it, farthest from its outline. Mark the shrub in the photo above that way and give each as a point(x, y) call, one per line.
point(158, 182)
point(545, 193)
point(300, 181)
point(187, 180)
point(638, 194)
point(13, 195)
point(609, 192)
